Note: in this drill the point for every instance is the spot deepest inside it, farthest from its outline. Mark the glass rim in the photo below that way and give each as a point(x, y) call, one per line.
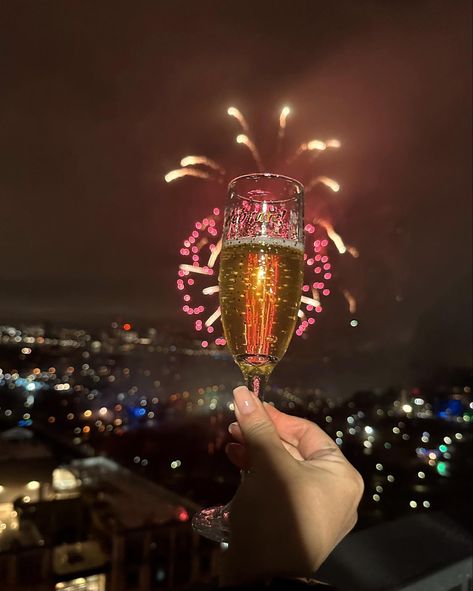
point(269, 175)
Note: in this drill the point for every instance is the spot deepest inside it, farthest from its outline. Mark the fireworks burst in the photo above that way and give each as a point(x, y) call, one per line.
point(197, 275)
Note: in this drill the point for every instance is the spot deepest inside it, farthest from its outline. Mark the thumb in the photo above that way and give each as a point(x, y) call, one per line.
point(259, 432)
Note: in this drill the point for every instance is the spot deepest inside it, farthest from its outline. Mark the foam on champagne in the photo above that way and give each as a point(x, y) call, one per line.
point(275, 241)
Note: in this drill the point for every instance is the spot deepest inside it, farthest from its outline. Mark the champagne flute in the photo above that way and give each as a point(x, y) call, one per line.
point(260, 280)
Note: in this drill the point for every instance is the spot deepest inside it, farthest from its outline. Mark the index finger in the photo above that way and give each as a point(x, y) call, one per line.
point(305, 435)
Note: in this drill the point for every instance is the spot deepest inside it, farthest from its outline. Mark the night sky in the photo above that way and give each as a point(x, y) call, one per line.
point(99, 100)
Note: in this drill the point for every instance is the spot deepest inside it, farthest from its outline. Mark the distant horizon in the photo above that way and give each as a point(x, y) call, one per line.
point(339, 370)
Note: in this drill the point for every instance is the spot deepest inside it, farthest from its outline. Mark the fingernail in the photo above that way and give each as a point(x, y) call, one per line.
point(232, 426)
point(244, 400)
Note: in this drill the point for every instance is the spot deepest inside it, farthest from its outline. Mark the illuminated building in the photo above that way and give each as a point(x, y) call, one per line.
point(94, 526)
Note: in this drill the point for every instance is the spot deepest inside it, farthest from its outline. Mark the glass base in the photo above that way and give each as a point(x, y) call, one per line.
point(213, 523)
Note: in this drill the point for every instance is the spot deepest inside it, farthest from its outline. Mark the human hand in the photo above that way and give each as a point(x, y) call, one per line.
point(298, 501)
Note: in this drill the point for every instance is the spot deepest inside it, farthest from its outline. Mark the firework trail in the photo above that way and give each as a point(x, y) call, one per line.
point(202, 160)
point(178, 173)
point(285, 112)
point(245, 140)
point(236, 113)
point(323, 180)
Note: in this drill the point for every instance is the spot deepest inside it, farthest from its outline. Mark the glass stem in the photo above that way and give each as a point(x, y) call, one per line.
point(256, 382)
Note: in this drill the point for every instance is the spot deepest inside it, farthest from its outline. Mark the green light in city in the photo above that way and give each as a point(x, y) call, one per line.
point(442, 468)
point(443, 448)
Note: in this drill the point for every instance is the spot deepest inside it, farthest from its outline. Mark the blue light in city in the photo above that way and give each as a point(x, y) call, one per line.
point(25, 423)
point(449, 408)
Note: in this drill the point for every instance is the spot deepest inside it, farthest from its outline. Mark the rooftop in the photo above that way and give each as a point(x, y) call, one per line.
point(129, 500)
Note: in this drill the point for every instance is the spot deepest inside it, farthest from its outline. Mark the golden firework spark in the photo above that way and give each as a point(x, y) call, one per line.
point(310, 301)
point(238, 115)
point(195, 269)
point(179, 173)
point(323, 180)
point(211, 290)
point(285, 112)
point(313, 145)
point(334, 237)
point(353, 251)
point(333, 143)
point(202, 242)
point(351, 301)
point(310, 146)
point(215, 252)
point(213, 317)
point(244, 139)
point(202, 160)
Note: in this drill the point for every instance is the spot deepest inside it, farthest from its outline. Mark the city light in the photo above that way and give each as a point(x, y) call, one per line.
point(112, 400)
point(183, 515)
point(442, 468)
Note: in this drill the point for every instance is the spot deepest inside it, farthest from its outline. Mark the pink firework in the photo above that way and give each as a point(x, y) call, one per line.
point(197, 280)
point(198, 272)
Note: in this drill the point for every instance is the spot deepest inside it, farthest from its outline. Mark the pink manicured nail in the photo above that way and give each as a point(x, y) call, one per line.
point(232, 426)
point(244, 400)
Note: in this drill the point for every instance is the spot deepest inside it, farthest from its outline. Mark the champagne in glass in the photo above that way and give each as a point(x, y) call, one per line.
point(260, 280)
point(260, 286)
